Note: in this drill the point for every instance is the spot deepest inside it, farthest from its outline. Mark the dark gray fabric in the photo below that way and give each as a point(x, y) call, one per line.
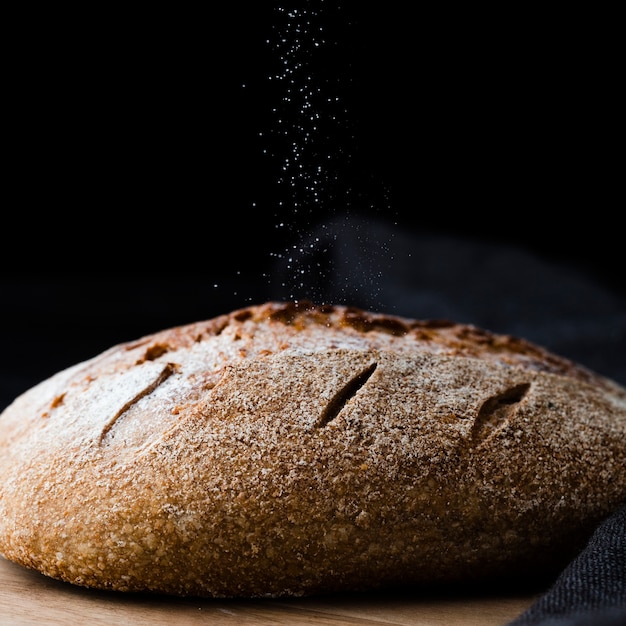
point(591, 590)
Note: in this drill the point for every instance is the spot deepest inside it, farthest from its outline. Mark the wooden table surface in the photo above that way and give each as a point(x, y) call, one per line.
point(27, 597)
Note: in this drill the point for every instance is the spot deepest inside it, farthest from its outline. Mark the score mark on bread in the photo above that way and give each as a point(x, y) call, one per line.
point(145, 381)
point(497, 411)
point(290, 449)
point(338, 401)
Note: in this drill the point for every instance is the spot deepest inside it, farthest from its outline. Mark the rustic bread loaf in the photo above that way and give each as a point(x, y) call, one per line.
point(290, 449)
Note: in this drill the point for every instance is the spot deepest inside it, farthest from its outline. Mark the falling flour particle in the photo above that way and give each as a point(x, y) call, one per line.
point(312, 143)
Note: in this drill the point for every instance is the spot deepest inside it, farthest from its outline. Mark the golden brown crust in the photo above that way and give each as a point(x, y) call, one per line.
point(288, 449)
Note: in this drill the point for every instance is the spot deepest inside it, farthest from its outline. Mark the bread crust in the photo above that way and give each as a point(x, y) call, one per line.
point(290, 449)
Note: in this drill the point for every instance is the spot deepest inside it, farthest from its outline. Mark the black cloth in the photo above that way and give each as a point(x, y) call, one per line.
point(591, 590)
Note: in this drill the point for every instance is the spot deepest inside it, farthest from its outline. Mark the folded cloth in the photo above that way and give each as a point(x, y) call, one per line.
point(591, 590)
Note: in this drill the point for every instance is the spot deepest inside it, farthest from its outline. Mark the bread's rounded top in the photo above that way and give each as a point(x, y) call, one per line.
point(277, 326)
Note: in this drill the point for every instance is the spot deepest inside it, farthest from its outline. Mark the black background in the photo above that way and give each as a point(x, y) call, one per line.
point(143, 158)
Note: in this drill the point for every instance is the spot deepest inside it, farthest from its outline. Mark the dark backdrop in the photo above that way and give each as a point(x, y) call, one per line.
point(164, 167)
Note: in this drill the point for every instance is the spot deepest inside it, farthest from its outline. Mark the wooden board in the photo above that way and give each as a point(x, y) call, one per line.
point(28, 598)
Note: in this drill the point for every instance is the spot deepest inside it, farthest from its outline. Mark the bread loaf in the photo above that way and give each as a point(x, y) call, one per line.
point(290, 449)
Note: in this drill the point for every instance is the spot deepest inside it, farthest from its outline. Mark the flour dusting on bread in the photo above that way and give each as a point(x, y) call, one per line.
point(291, 449)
